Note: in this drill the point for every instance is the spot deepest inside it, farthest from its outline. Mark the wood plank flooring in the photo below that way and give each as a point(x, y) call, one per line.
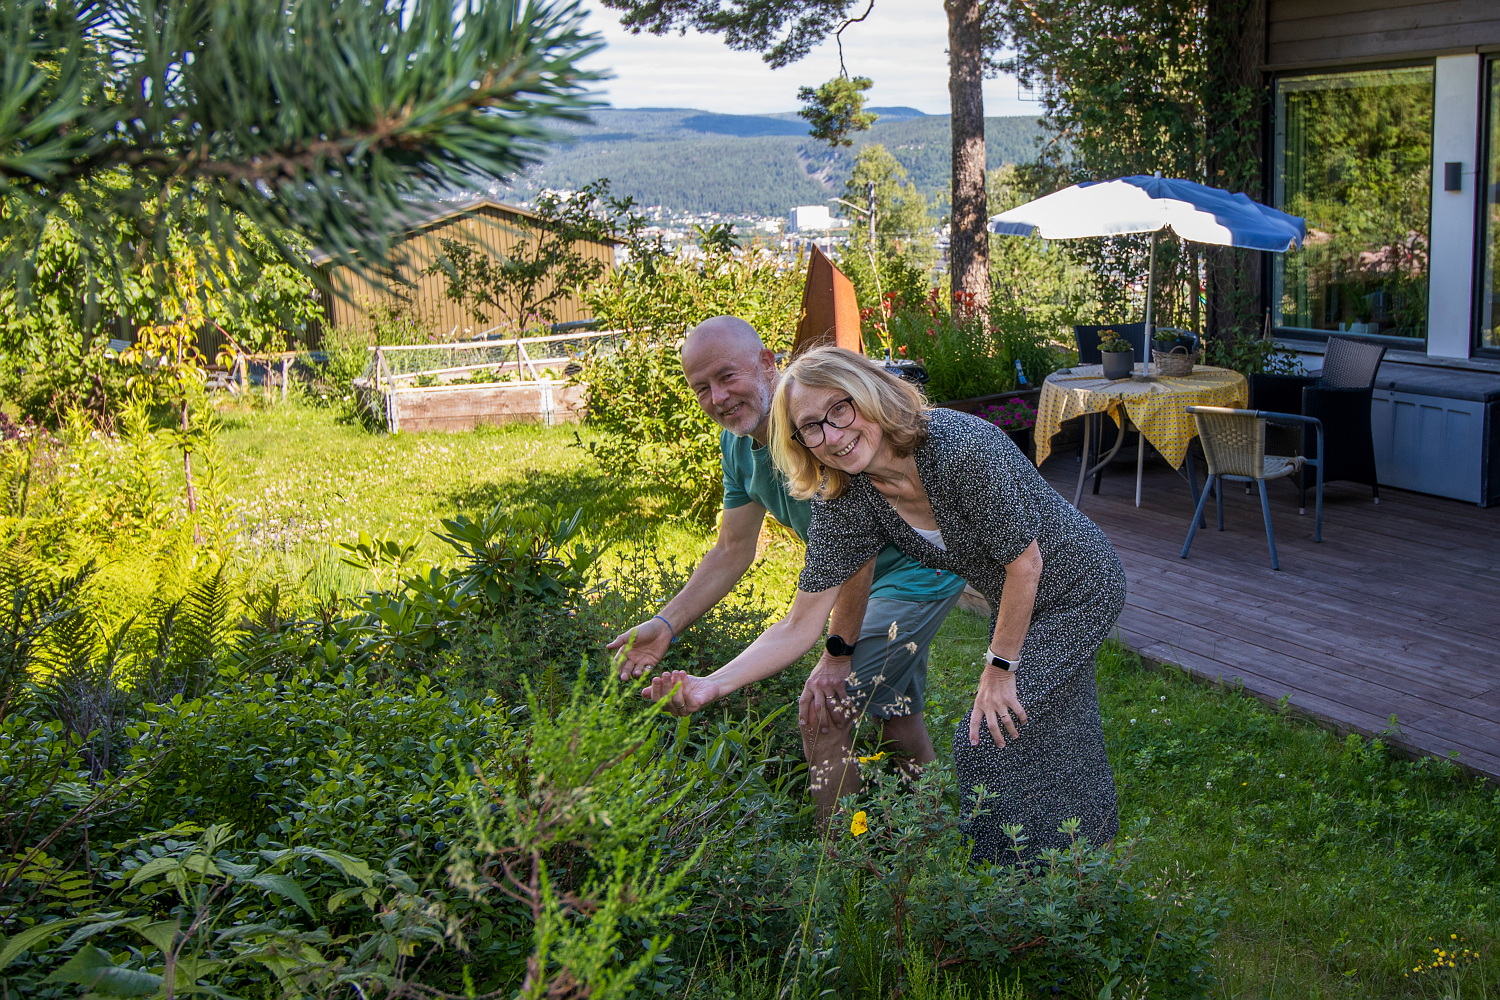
point(1390, 627)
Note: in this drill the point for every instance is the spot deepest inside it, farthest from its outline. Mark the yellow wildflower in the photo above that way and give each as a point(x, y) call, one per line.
point(858, 825)
point(873, 758)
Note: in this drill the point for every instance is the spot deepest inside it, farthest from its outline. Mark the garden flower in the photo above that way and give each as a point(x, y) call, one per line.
point(858, 825)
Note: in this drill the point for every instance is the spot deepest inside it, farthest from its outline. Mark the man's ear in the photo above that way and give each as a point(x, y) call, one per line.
point(767, 359)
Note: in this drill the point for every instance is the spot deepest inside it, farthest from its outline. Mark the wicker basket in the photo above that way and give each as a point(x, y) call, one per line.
point(1176, 362)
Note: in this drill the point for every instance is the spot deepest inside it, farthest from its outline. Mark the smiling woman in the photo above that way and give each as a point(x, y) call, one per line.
point(954, 493)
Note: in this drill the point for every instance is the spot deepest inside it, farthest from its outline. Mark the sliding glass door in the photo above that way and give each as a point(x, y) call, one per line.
point(1353, 156)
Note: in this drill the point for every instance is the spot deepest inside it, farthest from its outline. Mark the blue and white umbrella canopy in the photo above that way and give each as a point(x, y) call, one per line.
point(1143, 204)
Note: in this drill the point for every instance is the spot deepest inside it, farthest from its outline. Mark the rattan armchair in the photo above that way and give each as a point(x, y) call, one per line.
point(1340, 397)
point(1234, 445)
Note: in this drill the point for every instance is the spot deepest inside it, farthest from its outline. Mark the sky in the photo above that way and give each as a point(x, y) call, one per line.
point(902, 47)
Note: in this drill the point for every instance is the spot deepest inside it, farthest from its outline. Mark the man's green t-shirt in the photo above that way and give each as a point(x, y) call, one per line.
point(749, 477)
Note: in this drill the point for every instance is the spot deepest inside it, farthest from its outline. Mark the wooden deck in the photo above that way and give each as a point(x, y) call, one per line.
point(1395, 615)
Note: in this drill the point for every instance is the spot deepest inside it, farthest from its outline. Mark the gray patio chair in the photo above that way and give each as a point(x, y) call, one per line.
point(1234, 445)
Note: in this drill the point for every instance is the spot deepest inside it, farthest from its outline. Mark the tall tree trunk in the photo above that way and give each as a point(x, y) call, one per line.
point(969, 243)
point(1234, 102)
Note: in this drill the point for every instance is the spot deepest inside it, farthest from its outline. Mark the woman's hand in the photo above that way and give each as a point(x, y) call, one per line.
point(997, 705)
point(639, 649)
point(825, 697)
point(688, 693)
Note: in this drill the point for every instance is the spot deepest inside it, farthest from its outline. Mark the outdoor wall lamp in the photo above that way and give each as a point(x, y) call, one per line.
point(1453, 176)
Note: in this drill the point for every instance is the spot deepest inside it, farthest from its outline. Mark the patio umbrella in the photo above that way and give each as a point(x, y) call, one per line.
point(1149, 204)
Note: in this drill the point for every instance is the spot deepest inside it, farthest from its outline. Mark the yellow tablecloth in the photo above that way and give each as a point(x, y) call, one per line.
point(1158, 407)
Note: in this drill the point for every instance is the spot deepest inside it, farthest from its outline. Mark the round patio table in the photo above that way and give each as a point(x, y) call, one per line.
point(1157, 405)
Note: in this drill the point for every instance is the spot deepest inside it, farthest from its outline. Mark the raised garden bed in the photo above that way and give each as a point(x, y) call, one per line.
point(466, 406)
point(457, 387)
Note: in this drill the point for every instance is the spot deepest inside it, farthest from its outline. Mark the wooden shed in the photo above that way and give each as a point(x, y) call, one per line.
point(491, 226)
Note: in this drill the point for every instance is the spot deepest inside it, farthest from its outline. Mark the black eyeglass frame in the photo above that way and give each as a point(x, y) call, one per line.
point(853, 415)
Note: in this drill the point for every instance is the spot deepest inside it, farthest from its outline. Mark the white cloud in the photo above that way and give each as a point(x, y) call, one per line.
point(902, 47)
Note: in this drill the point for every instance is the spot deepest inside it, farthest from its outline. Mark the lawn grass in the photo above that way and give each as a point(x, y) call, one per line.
point(301, 480)
point(1345, 867)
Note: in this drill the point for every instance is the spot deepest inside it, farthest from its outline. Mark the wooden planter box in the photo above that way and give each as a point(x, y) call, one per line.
point(464, 407)
point(974, 404)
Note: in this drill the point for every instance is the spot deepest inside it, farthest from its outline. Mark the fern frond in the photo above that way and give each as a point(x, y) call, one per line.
point(32, 602)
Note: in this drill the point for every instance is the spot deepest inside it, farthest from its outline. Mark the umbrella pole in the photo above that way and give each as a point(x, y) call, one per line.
point(1150, 301)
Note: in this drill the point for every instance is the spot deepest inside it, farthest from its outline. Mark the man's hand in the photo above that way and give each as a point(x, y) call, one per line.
point(825, 697)
point(651, 639)
point(995, 704)
point(688, 693)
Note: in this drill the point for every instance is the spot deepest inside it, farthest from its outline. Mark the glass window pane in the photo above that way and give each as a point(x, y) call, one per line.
point(1353, 156)
point(1489, 279)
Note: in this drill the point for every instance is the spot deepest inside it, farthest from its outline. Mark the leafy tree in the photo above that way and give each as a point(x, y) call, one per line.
point(54, 339)
point(325, 119)
point(715, 238)
point(523, 286)
point(836, 109)
point(786, 30)
point(1131, 87)
point(900, 209)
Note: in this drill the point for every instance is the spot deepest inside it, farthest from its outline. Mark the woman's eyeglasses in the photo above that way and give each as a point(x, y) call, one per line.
point(839, 415)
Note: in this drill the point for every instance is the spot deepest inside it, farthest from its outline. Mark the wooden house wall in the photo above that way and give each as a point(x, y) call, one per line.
point(1312, 32)
point(490, 229)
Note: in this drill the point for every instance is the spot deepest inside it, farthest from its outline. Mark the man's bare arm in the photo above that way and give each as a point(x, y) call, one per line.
point(715, 576)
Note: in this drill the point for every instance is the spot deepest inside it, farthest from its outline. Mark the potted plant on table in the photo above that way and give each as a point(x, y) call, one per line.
point(1117, 355)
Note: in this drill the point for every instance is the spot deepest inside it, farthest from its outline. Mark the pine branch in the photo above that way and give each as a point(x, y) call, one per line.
point(326, 119)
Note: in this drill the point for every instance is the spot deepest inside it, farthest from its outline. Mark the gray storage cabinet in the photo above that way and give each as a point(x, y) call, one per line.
point(1435, 431)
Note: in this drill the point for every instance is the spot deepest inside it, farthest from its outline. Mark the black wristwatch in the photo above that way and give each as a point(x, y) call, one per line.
point(836, 646)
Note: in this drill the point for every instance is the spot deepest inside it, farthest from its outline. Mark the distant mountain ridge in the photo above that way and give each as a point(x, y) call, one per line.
point(688, 160)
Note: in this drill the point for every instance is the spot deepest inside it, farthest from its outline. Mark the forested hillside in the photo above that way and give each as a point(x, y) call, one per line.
point(689, 160)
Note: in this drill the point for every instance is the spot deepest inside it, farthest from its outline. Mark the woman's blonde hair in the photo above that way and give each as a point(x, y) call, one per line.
point(896, 406)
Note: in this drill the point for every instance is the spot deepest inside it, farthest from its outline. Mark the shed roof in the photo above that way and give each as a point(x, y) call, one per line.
point(425, 215)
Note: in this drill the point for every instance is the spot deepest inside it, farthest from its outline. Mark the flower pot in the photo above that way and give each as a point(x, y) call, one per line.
point(1117, 364)
point(1022, 438)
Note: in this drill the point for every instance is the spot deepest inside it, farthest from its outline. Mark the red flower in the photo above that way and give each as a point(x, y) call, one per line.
point(902, 349)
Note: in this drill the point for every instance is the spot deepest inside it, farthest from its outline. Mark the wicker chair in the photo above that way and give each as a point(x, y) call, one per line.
point(1234, 444)
point(1339, 396)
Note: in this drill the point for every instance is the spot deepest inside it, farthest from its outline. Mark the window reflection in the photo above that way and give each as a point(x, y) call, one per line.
point(1353, 157)
point(1489, 279)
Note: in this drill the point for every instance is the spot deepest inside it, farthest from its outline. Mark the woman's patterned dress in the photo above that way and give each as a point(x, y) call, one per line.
point(990, 504)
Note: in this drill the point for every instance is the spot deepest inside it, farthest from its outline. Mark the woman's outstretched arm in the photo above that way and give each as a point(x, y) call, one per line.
point(777, 648)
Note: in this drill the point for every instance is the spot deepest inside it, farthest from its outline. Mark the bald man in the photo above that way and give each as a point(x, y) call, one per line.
point(862, 670)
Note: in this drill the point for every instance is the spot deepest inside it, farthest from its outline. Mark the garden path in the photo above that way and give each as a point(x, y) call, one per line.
point(1395, 614)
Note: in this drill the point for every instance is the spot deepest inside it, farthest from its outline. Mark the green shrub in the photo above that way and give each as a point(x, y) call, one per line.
point(651, 430)
point(965, 357)
point(883, 902)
